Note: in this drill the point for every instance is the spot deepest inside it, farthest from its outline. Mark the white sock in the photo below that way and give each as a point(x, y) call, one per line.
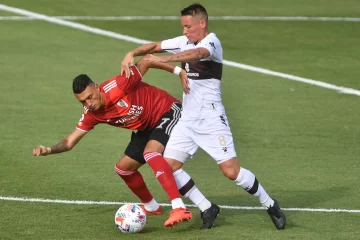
point(177, 203)
point(151, 206)
point(198, 198)
point(268, 203)
point(247, 180)
point(194, 194)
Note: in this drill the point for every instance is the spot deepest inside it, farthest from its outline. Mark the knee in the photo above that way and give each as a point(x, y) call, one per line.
point(230, 168)
point(231, 174)
point(127, 164)
point(174, 164)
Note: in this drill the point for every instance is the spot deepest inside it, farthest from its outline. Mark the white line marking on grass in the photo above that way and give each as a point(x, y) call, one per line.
point(72, 24)
point(141, 41)
point(213, 18)
point(84, 202)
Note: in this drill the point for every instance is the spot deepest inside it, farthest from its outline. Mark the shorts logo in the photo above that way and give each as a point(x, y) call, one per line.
point(122, 103)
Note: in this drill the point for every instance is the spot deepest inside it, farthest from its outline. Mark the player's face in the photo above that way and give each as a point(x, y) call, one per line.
point(91, 97)
point(193, 27)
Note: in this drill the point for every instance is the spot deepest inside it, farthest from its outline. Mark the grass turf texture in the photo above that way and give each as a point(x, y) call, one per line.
point(301, 141)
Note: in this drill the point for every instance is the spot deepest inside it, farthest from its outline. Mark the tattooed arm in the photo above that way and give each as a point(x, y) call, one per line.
point(144, 66)
point(146, 49)
point(64, 145)
point(185, 56)
point(140, 51)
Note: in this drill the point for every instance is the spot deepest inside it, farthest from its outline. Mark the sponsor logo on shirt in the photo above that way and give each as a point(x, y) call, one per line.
point(133, 113)
point(187, 69)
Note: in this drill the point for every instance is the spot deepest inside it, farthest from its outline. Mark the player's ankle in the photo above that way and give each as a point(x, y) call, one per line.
point(177, 203)
point(151, 206)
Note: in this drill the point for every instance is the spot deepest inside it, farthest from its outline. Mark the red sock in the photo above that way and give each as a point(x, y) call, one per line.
point(136, 183)
point(163, 173)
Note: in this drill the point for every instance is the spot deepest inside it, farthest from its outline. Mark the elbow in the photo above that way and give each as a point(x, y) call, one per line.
point(142, 61)
point(67, 145)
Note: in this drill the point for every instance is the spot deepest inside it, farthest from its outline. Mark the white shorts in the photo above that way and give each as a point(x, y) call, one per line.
point(212, 134)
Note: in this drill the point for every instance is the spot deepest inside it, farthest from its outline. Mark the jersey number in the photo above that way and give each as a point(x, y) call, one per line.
point(164, 120)
point(222, 140)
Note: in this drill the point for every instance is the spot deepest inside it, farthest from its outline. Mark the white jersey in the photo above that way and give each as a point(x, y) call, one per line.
point(204, 77)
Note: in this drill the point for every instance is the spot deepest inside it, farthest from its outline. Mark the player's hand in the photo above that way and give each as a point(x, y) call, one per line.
point(153, 58)
point(184, 81)
point(41, 151)
point(127, 62)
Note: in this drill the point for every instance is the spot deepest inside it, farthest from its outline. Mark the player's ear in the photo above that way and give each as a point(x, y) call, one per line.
point(97, 87)
point(203, 23)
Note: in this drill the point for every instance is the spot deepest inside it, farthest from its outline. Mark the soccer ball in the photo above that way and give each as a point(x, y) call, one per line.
point(130, 218)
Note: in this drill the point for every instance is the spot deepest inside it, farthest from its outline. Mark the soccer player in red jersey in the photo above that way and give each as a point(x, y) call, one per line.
point(128, 102)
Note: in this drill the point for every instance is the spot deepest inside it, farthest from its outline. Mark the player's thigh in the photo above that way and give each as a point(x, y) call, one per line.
point(159, 135)
point(181, 144)
point(163, 128)
point(215, 137)
point(136, 146)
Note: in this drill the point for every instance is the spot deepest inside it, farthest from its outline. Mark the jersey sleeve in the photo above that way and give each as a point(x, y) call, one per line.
point(126, 84)
point(209, 45)
point(173, 45)
point(213, 45)
point(86, 123)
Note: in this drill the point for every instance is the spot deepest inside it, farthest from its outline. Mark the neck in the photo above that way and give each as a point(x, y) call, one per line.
point(202, 37)
point(102, 99)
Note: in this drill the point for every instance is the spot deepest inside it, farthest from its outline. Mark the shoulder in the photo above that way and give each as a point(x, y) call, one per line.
point(212, 38)
point(182, 38)
point(110, 84)
point(176, 41)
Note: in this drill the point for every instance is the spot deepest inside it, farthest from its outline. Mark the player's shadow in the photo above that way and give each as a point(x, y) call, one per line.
point(289, 199)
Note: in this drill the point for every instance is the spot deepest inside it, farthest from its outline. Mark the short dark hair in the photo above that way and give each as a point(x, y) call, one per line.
point(81, 82)
point(194, 9)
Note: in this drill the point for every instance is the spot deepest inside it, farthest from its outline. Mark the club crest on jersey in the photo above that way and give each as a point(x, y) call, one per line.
point(122, 103)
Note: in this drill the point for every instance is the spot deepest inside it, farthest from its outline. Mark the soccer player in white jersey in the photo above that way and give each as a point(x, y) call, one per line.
point(203, 121)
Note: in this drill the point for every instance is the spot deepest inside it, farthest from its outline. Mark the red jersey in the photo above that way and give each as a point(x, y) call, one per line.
point(129, 103)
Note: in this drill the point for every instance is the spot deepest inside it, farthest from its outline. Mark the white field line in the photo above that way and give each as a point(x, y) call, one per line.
point(141, 41)
point(216, 18)
point(82, 202)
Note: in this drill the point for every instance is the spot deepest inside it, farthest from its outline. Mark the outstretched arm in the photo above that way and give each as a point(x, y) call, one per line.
point(185, 56)
point(64, 145)
point(140, 51)
point(144, 66)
